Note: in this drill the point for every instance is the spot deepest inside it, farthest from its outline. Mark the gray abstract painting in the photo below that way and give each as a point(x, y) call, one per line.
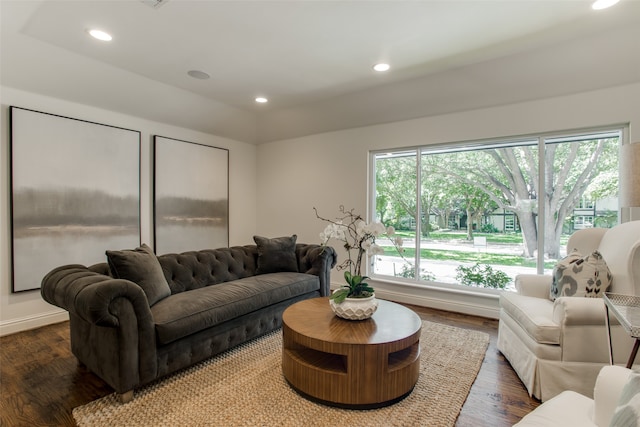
point(75, 193)
point(191, 196)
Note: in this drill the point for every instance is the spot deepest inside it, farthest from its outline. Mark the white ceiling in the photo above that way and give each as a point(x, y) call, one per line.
point(313, 59)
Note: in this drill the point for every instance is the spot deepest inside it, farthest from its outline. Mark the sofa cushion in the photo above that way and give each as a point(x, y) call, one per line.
point(534, 315)
point(189, 312)
point(140, 266)
point(276, 255)
point(580, 276)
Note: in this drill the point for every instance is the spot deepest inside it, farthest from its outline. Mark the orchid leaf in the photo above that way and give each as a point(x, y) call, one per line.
point(339, 295)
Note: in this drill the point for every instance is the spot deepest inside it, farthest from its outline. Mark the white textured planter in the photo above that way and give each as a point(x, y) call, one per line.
point(355, 308)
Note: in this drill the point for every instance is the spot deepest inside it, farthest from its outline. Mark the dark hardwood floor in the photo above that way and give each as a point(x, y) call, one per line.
point(497, 398)
point(41, 381)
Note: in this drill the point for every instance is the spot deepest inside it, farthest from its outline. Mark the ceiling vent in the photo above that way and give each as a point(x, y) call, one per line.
point(154, 3)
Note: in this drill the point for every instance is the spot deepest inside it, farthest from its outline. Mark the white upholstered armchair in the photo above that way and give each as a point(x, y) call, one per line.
point(571, 409)
point(562, 345)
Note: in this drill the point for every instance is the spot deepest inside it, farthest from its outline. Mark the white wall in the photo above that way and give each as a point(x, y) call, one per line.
point(27, 310)
point(330, 169)
point(274, 187)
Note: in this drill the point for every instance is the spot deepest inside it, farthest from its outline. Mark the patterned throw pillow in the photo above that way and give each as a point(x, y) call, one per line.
point(627, 414)
point(578, 276)
point(558, 272)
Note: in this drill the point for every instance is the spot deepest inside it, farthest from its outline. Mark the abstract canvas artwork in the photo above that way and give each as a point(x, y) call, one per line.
point(191, 196)
point(75, 193)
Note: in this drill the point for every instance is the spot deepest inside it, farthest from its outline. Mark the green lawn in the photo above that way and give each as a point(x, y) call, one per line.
point(466, 256)
point(509, 238)
point(504, 238)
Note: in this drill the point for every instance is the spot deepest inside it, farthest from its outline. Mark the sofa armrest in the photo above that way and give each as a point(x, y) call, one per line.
point(317, 260)
point(533, 285)
point(577, 311)
point(90, 295)
point(606, 393)
point(112, 328)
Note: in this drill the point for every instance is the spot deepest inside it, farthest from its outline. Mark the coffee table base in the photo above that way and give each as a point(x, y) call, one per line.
point(362, 406)
point(353, 364)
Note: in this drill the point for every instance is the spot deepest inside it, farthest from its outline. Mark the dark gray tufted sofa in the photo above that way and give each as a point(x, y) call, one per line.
point(217, 301)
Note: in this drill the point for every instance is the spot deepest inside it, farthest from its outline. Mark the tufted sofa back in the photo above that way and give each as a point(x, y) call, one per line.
point(196, 269)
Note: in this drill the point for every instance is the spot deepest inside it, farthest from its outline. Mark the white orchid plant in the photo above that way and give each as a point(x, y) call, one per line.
point(359, 236)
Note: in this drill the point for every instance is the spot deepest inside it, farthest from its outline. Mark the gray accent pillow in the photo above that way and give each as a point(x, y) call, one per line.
point(276, 255)
point(142, 267)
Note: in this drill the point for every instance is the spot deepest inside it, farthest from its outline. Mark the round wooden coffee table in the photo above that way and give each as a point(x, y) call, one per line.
point(353, 363)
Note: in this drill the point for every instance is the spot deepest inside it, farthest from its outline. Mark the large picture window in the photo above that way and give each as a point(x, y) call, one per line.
point(479, 213)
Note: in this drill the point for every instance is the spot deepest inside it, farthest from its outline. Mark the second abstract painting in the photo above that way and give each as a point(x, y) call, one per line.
point(191, 196)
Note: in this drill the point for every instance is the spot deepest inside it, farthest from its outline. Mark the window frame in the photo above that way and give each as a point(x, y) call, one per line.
point(541, 140)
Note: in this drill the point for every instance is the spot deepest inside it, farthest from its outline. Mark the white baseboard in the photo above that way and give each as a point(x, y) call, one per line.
point(31, 322)
point(483, 306)
point(452, 305)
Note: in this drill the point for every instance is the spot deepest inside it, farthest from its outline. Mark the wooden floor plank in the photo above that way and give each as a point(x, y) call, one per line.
point(41, 381)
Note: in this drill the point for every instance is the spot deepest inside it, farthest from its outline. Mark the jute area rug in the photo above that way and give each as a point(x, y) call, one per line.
point(245, 387)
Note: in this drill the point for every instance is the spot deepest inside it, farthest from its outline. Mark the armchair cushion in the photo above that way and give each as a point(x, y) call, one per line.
point(142, 267)
point(579, 276)
point(534, 315)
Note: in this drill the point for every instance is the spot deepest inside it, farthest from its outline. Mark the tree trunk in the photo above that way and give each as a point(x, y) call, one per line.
point(552, 233)
point(529, 232)
point(424, 223)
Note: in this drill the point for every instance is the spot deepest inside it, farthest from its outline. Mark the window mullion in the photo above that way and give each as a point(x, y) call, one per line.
point(418, 214)
point(541, 204)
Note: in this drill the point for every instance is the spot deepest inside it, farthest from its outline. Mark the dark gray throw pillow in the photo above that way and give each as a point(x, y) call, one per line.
point(142, 267)
point(276, 255)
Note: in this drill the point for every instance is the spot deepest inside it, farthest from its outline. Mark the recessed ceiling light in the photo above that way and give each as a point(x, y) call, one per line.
point(261, 100)
point(100, 35)
point(381, 67)
point(197, 74)
point(603, 4)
